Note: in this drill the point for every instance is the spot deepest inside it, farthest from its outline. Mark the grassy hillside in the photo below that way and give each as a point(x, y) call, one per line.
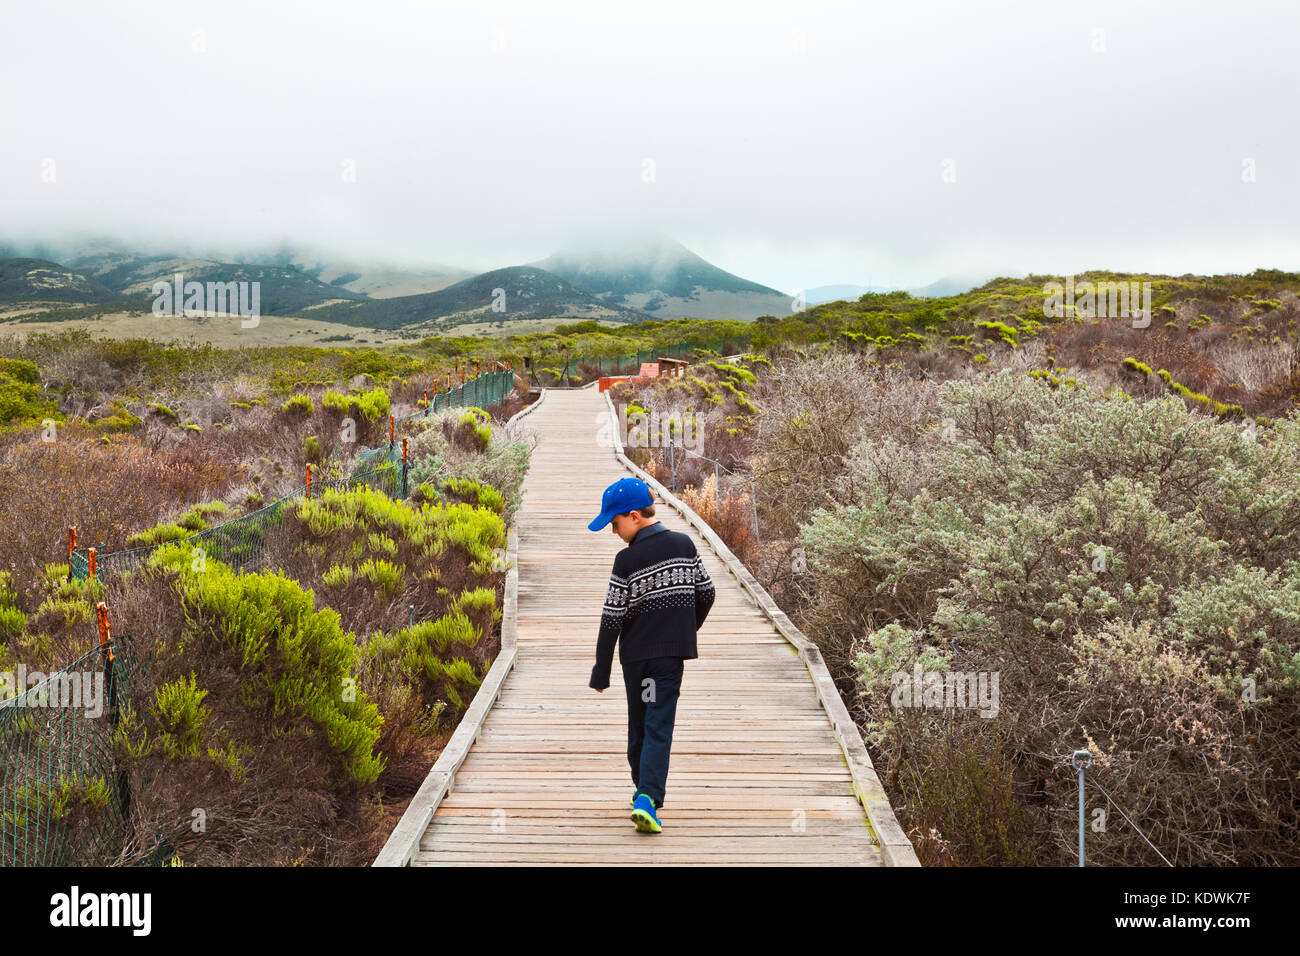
point(1228, 342)
point(529, 293)
point(40, 280)
point(285, 289)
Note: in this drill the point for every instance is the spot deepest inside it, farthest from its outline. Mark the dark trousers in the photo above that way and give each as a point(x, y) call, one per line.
point(653, 687)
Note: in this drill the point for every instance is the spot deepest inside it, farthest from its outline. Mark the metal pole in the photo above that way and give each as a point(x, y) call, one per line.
point(1081, 760)
point(1081, 816)
point(672, 461)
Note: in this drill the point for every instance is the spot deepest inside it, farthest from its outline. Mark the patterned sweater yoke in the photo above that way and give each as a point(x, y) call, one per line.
point(658, 597)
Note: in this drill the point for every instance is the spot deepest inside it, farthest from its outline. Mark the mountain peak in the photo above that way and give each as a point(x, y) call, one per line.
point(658, 275)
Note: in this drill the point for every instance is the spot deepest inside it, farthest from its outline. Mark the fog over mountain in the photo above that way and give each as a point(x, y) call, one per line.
point(792, 145)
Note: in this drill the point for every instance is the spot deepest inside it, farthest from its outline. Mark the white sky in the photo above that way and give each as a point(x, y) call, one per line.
point(796, 144)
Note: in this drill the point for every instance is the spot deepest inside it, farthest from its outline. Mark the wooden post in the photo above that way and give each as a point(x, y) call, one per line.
point(309, 481)
point(462, 375)
point(72, 543)
point(90, 571)
point(105, 640)
point(426, 395)
point(392, 429)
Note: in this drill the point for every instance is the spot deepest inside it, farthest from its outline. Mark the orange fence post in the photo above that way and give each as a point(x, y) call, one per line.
point(90, 571)
point(426, 394)
point(462, 375)
point(309, 480)
point(72, 543)
point(392, 429)
point(101, 614)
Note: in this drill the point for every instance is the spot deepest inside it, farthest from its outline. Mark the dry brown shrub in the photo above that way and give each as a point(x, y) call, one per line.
point(730, 515)
point(108, 491)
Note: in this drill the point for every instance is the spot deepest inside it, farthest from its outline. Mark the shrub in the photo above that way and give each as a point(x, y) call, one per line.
point(299, 406)
point(293, 659)
point(20, 400)
point(435, 457)
point(372, 405)
point(1127, 567)
point(468, 490)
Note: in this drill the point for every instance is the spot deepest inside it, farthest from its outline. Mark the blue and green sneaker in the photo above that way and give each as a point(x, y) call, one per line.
point(643, 815)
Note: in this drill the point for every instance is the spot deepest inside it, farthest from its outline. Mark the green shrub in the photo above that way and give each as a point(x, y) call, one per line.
point(371, 405)
point(117, 420)
point(157, 535)
point(468, 490)
point(741, 374)
point(1005, 332)
point(294, 661)
point(178, 707)
point(1126, 566)
point(20, 394)
point(12, 621)
point(300, 405)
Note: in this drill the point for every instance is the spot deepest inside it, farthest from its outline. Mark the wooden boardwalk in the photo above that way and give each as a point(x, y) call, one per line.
point(757, 775)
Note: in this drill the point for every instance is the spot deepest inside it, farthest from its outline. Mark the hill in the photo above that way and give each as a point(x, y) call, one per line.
point(663, 278)
point(285, 289)
point(526, 292)
point(40, 280)
point(380, 281)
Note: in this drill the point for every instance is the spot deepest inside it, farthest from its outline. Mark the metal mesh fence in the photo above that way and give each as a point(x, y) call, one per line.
point(62, 801)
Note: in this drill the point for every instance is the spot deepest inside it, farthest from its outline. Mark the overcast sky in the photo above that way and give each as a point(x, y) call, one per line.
point(796, 144)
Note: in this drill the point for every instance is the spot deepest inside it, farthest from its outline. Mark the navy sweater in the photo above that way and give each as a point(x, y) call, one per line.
point(659, 595)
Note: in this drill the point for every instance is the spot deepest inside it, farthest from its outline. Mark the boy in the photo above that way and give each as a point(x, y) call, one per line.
point(659, 595)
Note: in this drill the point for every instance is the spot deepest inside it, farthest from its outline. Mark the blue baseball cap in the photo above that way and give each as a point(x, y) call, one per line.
point(626, 494)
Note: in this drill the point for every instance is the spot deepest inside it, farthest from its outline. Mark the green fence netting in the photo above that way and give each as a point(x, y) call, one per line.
point(62, 802)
